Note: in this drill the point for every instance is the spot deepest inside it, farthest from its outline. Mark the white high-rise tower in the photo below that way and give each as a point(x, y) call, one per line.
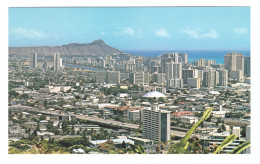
point(156, 124)
point(56, 61)
point(33, 60)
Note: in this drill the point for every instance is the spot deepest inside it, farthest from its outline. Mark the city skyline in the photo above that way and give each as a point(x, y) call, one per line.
point(133, 28)
point(130, 80)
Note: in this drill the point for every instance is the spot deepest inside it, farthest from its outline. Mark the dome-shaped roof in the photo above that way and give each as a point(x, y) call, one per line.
point(153, 94)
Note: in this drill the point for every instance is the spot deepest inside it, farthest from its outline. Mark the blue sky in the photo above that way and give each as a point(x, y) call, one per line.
point(141, 28)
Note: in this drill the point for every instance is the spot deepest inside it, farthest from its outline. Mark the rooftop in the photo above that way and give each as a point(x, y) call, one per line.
point(184, 113)
point(153, 94)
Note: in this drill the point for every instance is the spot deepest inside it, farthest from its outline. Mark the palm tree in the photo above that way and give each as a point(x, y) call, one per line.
point(181, 147)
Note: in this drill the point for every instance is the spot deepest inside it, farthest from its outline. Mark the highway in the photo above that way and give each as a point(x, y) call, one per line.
point(91, 119)
point(94, 120)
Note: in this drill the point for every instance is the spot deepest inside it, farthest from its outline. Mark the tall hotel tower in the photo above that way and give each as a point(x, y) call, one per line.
point(173, 70)
point(56, 61)
point(175, 57)
point(223, 77)
point(247, 66)
point(33, 60)
point(234, 62)
point(156, 124)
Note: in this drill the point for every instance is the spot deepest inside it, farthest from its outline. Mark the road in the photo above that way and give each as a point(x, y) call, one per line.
point(91, 119)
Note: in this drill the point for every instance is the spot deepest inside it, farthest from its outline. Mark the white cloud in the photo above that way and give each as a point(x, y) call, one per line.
point(196, 34)
point(162, 33)
point(28, 33)
point(128, 31)
point(139, 33)
point(240, 30)
point(32, 34)
point(103, 33)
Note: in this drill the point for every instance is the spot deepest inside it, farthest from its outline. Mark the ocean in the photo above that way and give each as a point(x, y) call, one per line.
point(192, 54)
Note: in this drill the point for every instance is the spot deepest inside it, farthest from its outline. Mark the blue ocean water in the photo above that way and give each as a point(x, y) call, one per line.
point(217, 55)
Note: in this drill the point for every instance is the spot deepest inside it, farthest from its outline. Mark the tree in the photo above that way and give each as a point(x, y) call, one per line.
point(72, 130)
point(64, 127)
point(181, 147)
point(223, 127)
point(152, 100)
point(34, 134)
point(135, 87)
point(45, 104)
point(225, 143)
point(24, 96)
point(84, 134)
point(139, 149)
point(13, 94)
point(218, 121)
point(243, 131)
point(123, 145)
point(241, 147)
point(186, 145)
point(86, 96)
point(161, 99)
point(199, 114)
point(42, 117)
point(77, 97)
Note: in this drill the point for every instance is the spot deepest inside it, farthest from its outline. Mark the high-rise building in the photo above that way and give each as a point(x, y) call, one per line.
point(175, 57)
point(219, 66)
point(248, 138)
point(234, 62)
point(134, 115)
point(56, 61)
point(124, 76)
point(223, 77)
point(103, 63)
point(158, 78)
point(101, 76)
point(173, 75)
point(154, 69)
point(189, 73)
point(174, 83)
point(139, 78)
point(173, 70)
point(113, 77)
point(210, 78)
point(247, 66)
point(210, 62)
point(193, 82)
point(183, 58)
point(236, 75)
point(108, 59)
point(130, 65)
point(122, 57)
point(45, 66)
point(200, 75)
point(153, 63)
point(236, 131)
point(33, 60)
point(160, 89)
point(167, 57)
point(109, 77)
point(156, 124)
point(200, 62)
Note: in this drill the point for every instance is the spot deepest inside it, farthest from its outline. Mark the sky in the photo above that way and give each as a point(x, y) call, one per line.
point(133, 28)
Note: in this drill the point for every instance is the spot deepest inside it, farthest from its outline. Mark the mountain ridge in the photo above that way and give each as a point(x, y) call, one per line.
point(95, 48)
